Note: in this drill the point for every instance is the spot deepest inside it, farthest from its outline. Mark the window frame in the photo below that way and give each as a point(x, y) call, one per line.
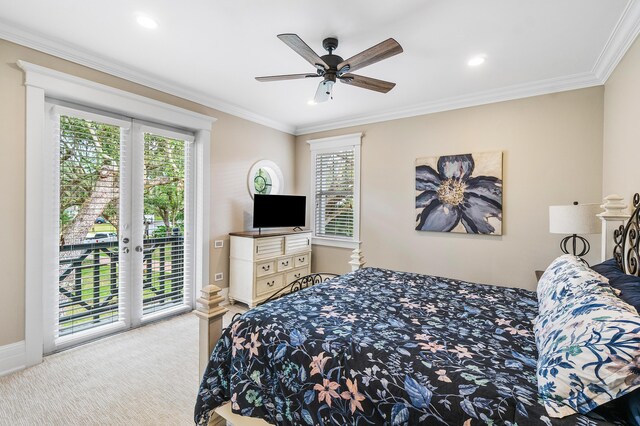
point(353, 142)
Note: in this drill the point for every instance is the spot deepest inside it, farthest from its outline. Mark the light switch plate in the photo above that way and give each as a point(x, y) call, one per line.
point(218, 244)
point(218, 277)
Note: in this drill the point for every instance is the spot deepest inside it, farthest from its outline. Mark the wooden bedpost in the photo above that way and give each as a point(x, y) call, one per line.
point(357, 259)
point(210, 313)
point(614, 215)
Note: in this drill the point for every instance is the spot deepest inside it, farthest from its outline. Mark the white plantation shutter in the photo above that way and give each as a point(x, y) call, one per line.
point(167, 269)
point(334, 194)
point(88, 289)
point(335, 188)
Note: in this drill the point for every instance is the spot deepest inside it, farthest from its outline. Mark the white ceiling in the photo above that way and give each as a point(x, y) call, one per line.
point(210, 51)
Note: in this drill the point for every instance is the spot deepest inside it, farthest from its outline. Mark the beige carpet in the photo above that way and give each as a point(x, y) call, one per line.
point(148, 376)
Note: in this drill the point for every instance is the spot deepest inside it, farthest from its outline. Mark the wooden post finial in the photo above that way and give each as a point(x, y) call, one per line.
point(357, 259)
point(209, 302)
point(614, 207)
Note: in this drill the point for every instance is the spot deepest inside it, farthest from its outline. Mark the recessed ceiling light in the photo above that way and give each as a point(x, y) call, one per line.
point(311, 102)
point(146, 22)
point(476, 60)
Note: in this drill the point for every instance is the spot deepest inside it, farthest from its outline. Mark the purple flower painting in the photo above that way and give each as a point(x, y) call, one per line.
point(460, 193)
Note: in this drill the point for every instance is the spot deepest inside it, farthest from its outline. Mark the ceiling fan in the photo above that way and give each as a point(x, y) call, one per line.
point(332, 67)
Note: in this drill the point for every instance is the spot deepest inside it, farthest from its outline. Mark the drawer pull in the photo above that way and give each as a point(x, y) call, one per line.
point(266, 267)
point(285, 263)
point(297, 275)
point(270, 284)
point(301, 259)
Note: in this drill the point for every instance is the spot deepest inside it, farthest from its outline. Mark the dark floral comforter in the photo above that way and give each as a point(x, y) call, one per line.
point(382, 347)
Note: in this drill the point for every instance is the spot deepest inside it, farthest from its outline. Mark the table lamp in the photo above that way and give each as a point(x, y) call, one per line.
point(574, 220)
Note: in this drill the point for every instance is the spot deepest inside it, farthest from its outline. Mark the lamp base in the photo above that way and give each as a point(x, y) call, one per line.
point(575, 241)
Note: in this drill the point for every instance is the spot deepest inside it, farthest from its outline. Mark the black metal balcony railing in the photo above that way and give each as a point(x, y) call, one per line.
point(89, 287)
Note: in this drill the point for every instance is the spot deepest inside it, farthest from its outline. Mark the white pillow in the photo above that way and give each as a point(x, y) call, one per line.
point(566, 275)
point(588, 341)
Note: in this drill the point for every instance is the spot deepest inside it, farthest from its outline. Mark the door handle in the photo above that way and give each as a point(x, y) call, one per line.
point(138, 249)
point(125, 250)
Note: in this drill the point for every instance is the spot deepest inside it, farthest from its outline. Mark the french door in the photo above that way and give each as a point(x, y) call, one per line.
point(124, 216)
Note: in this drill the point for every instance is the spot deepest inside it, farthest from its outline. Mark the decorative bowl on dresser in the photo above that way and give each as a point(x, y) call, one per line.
point(263, 263)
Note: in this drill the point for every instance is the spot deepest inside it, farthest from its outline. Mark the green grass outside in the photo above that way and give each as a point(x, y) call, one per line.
point(100, 227)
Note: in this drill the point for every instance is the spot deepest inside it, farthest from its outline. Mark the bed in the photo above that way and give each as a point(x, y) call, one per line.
point(377, 346)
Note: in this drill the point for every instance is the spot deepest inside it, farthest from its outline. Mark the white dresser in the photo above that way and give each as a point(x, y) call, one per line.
point(262, 264)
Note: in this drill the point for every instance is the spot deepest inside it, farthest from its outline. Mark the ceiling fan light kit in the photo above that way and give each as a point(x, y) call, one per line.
point(332, 67)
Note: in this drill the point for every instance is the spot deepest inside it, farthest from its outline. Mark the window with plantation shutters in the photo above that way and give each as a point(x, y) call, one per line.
point(335, 189)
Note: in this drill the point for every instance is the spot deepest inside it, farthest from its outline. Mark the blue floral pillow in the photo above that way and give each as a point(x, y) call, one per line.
point(588, 341)
point(565, 276)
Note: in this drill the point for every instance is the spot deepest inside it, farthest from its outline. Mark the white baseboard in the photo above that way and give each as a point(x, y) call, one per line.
point(12, 357)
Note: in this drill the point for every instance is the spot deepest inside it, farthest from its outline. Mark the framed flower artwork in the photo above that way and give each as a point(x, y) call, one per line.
point(460, 193)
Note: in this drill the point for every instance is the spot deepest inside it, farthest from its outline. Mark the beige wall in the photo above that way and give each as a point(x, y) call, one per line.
point(622, 127)
point(236, 145)
point(552, 155)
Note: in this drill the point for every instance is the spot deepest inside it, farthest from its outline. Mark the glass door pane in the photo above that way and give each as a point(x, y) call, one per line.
point(166, 221)
point(124, 222)
point(89, 219)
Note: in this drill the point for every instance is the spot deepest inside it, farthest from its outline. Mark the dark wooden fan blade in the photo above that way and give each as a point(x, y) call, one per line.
point(380, 51)
point(302, 49)
point(367, 82)
point(286, 77)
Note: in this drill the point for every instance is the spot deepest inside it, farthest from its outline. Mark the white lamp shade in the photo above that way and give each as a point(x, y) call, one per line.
point(574, 219)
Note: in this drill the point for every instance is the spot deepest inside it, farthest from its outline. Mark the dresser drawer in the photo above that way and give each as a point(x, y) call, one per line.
point(294, 275)
point(268, 284)
point(285, 264)
point(265, 268)
point(301, 260)
point(269, 247)
point(297, 243)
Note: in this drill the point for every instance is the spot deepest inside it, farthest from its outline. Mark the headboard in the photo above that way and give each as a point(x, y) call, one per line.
point(626, 238)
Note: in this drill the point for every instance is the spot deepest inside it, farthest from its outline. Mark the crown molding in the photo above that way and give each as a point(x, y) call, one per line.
point(21, 36)
point(543, 87)
point(622, 37)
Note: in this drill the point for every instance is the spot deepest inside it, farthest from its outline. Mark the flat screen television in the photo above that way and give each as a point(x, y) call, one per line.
point(279, 211)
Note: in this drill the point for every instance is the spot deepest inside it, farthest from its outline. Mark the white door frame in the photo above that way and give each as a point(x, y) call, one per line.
point(40, 249)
